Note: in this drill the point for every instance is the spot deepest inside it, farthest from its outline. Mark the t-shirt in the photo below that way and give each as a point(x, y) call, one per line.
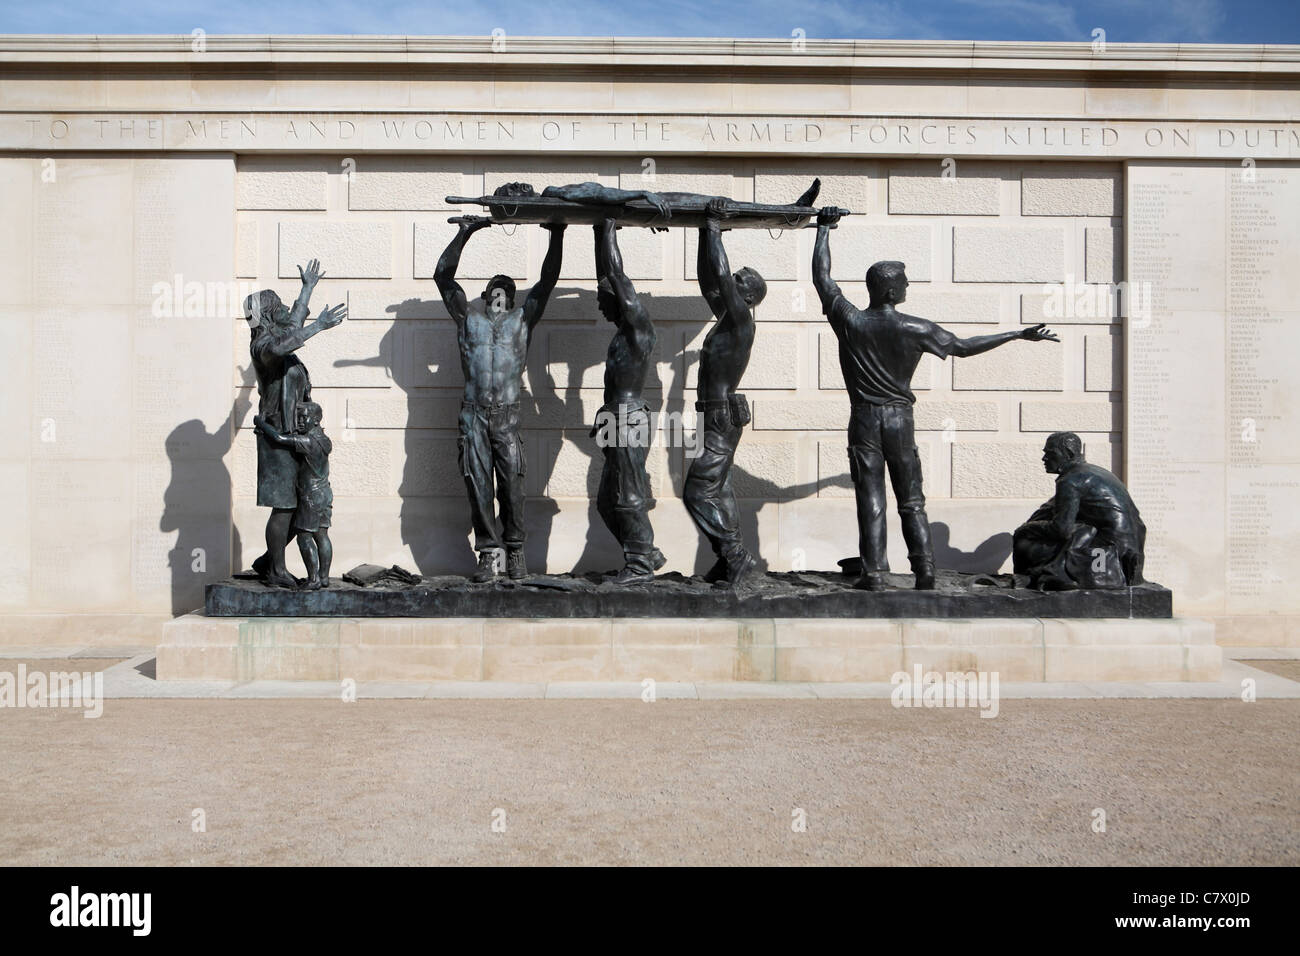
point(879, 351)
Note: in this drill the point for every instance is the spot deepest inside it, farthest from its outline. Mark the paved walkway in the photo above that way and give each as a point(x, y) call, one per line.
point(1179, 782)
point(130, 674)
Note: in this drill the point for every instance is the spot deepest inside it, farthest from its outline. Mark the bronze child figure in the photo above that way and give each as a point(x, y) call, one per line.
point(311, 449)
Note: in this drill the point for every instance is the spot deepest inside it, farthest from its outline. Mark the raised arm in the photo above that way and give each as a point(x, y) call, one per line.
point(293, 339)
point(540, 293)
point(310, 276)
point(453, 296)
point(633, 317)
point(594, 194)
point(716, 266)
point(704, 275)
point(827, 290)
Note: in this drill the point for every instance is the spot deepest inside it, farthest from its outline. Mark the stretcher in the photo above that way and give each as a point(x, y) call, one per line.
point(688, 211)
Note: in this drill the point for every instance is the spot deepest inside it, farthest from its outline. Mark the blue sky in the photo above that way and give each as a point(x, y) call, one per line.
point(1182, 21)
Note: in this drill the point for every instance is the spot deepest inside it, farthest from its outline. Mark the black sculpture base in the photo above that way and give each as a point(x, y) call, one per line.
point(808, 594)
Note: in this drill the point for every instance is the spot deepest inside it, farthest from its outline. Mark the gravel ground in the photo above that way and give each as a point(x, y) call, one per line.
point(605, 782)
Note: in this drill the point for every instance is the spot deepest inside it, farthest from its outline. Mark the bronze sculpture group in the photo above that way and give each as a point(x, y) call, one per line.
point(1089, 535)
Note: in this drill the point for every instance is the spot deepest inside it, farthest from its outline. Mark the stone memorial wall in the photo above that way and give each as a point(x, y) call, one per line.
point(1019, 187)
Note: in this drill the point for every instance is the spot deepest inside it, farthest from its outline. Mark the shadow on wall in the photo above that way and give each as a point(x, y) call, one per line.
point(987, 557)
point(197, 505)
point(438, 538)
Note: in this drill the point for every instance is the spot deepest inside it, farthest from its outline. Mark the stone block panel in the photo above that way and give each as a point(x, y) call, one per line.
point(1014, 469)
point(388, 301)
point(946, 306)
point(1066, 190)
point(1016, 366)
point(408, 183)
point(365, 467)
point(681, 175)
point(281, 182)
point(775, 258)
point(932, 415)
point(432, 466)
point(773, 363)
point(1103, 368)
point(855, 246)
point(1070, 304)
point(430, 356)
point(795, 414)
point(543, 171)
point(489, 252)
point(924, 190)
point(246, 248)
point(1102, 260)
point(999, 469)
point(1052, 416)
point(1008, 254)
point(346, 250)
point(575, 357)
point(765, 469)
point(350, 356)
point(847, 185)
point(642, 249)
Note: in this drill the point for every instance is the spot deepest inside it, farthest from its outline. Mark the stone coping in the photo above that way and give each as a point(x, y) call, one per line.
point(642, 51)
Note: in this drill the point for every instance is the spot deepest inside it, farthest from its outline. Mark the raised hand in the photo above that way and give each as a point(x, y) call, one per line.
point(829, 216)
point(312, 274)
point(471, 223)
point(332, 316)
point(1039, 333)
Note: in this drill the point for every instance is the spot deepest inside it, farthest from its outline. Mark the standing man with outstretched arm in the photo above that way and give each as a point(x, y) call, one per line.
point(879, 351)
point(493, 336)
point(622, 426)
point(724, 412)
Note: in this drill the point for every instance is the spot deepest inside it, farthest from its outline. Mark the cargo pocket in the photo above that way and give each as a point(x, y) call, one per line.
point(521, 463)
point(739, 408)
point(460, 456)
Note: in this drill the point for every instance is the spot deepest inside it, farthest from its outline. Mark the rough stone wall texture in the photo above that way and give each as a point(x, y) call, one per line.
point(989, 245)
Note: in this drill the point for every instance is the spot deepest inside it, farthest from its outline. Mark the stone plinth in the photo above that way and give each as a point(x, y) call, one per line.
point(802, 594)
point(197, 647)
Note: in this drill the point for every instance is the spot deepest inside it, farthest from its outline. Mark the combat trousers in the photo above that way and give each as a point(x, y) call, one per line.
point(708, 494)
point(880, 437)
point(490, 447)
point(624, 499)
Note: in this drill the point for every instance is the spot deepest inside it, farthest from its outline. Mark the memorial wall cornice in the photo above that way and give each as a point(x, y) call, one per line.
point(644, 133)
point(636, 95)
point(633, 52)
